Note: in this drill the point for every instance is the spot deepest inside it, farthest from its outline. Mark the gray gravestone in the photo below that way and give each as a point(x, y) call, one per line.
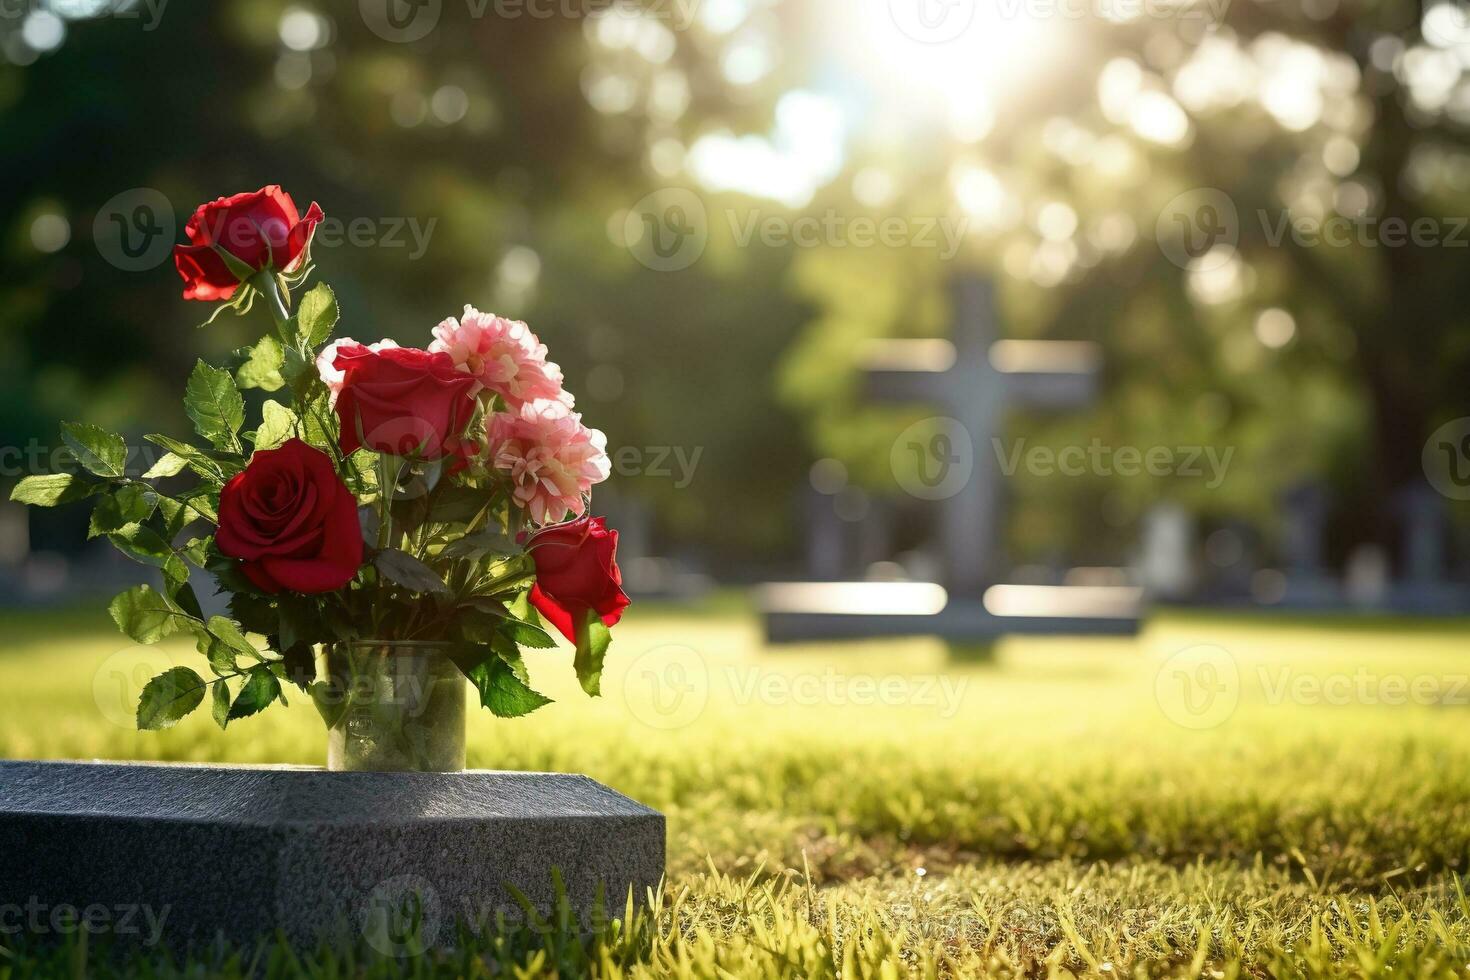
point(1167, 566)
point(243, 852)
point(1304, 511)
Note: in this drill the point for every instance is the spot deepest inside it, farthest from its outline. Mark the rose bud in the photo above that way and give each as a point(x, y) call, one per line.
point(401, 400)
point(577, 571)
point(258, 230)
point(291, 521)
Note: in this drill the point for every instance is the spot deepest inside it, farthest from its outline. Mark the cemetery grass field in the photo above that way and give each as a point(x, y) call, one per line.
point(1046, 814)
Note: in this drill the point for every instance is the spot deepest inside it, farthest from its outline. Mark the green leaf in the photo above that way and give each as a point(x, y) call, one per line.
point(197, 550)
point(146, 616)
point(454, 504)
point(169, 697)
point(214, 405)
point(215, 466)
point(478, 545)
point(528, 634)
point(263, 367)
point(304, 620)
point(221, 707)
point(143, 545)
point(176, 586)
point(124, 510)
point(229, 634)
point(517, 664)
point(317, 315)
point(299, 371)
point(97, 450)
point(331, 702)
point(260, 689)
point(505, 694)
point(278, 425)
point(222, 659)
point(254, 613)
point(409, 572)
point(593, 638)
point(299, 664)
point(169, 464)
point(51, 490)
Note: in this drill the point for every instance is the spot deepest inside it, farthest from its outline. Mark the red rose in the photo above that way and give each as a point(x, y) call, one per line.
point(402, 400)
point(291, 521)
point(577, 570)
point(263, 230)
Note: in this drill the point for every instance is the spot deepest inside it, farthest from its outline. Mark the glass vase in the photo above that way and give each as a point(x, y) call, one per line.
point(399, 707)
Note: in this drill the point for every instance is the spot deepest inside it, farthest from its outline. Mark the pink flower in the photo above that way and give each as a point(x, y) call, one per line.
point(504, 355)
point(552, 458)
point(326, 362)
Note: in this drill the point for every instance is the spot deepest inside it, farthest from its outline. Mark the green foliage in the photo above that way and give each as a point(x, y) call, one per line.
point(97, 450)
point(146, 616)
point(278, 424)
point(215, 406)
point(169, 464)
point(52, 490)
point(593, 638)
point(169, 697)
point(409, 572)
point(127, 507)
point(500, 686)
point(263, 365)
point(317, 316)
point(260, 689)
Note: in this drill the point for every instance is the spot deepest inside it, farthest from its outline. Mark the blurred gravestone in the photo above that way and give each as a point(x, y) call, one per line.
point(1166, 566)
point(646, 573)
point(1422, 585)
point(1304, 510)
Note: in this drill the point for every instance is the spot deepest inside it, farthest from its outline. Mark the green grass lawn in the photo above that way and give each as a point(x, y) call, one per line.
point(1293, 801)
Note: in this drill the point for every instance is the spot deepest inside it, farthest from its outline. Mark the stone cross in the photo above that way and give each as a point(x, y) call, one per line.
point(976, 378)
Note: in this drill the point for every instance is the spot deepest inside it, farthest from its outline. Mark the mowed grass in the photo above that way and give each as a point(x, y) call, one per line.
point(1219, 796)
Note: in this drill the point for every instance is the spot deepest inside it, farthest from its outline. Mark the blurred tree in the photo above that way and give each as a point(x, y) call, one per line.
point(466, 165)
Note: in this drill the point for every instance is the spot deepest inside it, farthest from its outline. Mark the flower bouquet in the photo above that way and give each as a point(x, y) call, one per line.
point(397, 524)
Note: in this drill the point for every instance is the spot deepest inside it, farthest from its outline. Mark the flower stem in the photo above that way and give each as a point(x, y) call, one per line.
point(265, 283)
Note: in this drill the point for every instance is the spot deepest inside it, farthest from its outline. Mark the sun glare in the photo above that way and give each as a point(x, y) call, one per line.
point(961, 57)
